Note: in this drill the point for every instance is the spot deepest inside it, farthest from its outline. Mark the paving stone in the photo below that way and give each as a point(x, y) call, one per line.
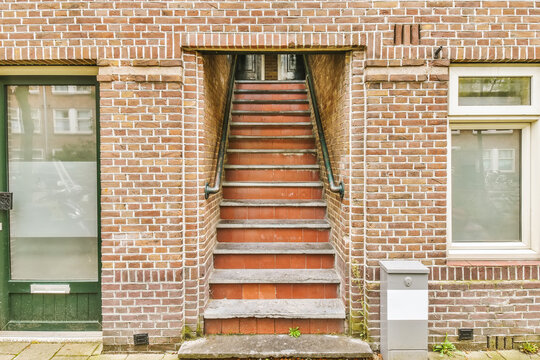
point(515, 355)
point(494, 355)
point(108, 357)
point(98, 350)
point(78, 349)
point(145, 357)
point(6, 357)
point(477, 355)
point(64, 357)
point(170, 357)
point(39, 351)
point(12, 347)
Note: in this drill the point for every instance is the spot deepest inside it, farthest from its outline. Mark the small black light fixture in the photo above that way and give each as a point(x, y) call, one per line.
point(465, 334)
point(437, 52)
point(140, 339)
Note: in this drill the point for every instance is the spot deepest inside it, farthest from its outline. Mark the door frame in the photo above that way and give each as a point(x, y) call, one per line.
point(7, 285)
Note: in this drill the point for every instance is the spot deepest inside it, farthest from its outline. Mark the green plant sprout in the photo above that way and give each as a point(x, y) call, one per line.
point(528, 348)
point(294, 332)
point(445, 348)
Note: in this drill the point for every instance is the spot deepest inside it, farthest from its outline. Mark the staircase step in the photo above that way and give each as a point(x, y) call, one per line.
point(266, 235)
point(274, 248)
point(260, 184)
point(274, 284)
point(276, 309)
point(271, 128)
point(270, 101)
point(275, 347)
point(271, 107)
point(273, 224)
point(242, 190)
point(270, 86)
point(273, 203)
point(270, 81)
point(303, 113)
point(239, 123)
point(271, 175)
point(271, 157)
point(265, 95)
point(261, 142)
point(274, 276)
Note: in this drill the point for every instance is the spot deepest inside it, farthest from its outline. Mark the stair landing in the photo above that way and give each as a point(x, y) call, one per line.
point(276, 347)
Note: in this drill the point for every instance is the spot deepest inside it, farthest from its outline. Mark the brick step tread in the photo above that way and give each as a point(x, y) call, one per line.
point(271, 113)
point(247, 123)
point(274, 203)
point(270, 137)
point(275, 309)
point(295, 184)
point(274, 276)
point(270, 81)
point(274, 248)
point(276, 101)
point(284, 346)
point(273, 151)
point(275, 167)
point(274, 91)
point(273, 224)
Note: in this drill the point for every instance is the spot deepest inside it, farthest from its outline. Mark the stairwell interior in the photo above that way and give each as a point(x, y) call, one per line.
point(274, 268)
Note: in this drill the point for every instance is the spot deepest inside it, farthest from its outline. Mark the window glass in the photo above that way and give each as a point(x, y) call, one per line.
point(486, 185)
point(486, 91)
point(53, 177)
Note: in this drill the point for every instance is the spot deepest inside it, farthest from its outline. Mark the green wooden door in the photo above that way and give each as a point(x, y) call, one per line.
point(50, 236)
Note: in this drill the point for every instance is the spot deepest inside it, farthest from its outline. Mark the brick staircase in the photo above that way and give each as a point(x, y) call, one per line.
point(273, 265)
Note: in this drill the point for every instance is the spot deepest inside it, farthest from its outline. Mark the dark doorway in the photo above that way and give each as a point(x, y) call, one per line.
point(272, 66)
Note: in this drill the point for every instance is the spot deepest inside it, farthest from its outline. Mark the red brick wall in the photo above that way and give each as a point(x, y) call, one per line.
point(215, 74)
point(331, 76)
point(141, 214)
point(156, 226)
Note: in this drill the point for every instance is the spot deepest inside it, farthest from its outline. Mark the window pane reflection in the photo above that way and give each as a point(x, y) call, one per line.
point(485, 91)
point(486, 185)
point(53, 177)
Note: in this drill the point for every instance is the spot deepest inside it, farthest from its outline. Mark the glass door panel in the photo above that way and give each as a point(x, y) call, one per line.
point(52, 173)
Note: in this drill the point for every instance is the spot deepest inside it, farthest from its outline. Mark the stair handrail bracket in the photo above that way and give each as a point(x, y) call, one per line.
point(334, 187)
point(208, 190)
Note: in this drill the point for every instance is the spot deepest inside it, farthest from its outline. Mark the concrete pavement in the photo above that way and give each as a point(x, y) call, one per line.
point(92, 351)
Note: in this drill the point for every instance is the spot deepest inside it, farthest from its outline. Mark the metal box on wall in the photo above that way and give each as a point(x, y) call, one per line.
point(404, 310)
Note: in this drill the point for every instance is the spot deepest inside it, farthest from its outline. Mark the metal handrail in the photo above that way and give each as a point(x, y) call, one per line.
point(224, 134)
point(333, 186)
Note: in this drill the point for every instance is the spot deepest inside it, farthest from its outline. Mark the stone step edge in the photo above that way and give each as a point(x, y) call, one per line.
point(272, 184)
point(306, 346)
point(283, 224)
point(277, 101)
point(272, 113)
point(273, 203)
point(271, 137)
point(274, 276)
point(275, 309)
point(274, 248)
point(270, 81)
point(248, 123)
point(268, 91)
point(279, 167)
point(273, 151)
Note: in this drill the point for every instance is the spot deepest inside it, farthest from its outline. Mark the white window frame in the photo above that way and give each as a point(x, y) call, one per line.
point(73, 121)
point(474, 70)
point(15, 116)
point(71, 90)
point(524, 117)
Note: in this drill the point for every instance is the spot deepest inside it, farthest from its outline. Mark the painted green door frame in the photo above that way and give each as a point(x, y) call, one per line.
point(45, 311)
